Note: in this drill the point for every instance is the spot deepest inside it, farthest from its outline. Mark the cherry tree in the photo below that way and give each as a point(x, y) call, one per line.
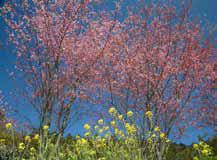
point(152, 58)
point(164, 63)
point(58, 45)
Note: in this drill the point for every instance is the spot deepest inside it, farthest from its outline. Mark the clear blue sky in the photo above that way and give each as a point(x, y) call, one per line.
point(205, 9)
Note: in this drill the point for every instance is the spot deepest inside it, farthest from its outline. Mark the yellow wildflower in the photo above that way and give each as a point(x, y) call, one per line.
point(122, 135)
point(162, 135)
point(195, 146)
point(27, 138)
point(149, 114)
point(130, 128)
point(129, 113)
point(77, 137)
point(101, 130)
point(32, 150)
point(8, 125)
point(82, 141)
point(36, 137)
point(112, 110)
point(100, 121)
point(45, 127)
point(127, 125)
point(2, 140)
point(153, 136)
point(86, 134)
point(156, 129)
point(149, 140)
point(106, 128)
point(195, 158)
point(21, 146)
point(116, 131)
point(113, 123)
point(201, 143)
point(205, 152)
point(120, 117)
point(96, 127)
point(206, 146)
point(87, 126)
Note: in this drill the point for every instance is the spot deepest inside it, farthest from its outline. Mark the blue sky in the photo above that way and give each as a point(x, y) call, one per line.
point(206, 10)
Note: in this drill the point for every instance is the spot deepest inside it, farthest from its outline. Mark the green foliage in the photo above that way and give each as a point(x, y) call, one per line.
point(183, 152)
point(179, 152)
point(116, 140)
point(8, 141)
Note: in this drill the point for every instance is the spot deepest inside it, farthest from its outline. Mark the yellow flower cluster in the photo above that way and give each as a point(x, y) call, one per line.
point(112, 111)
point(36, 137)
point(96, 127)
point(2, 140)
point(100, 142)
point(153, 136)
point(130, 141)
point(129, 114)
point(149, 114)
point(45, 127)
point(113, 123)
point(82, 141)
point(100, 130)
point(120, 117)
point(203, 148)
point(162, 135)
point(77, 137)
point(21, 146)
point(131, 129)
point(32, 151)
point(8, 125)
point(195, 158)
point(87, 134)
point(100, 121)
point(87, 126)
point(195, 146)
point(105, 128)
point(119, 133)
point(157, 129)
point(149, 140)
point(205, 152)
point(27, 139)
